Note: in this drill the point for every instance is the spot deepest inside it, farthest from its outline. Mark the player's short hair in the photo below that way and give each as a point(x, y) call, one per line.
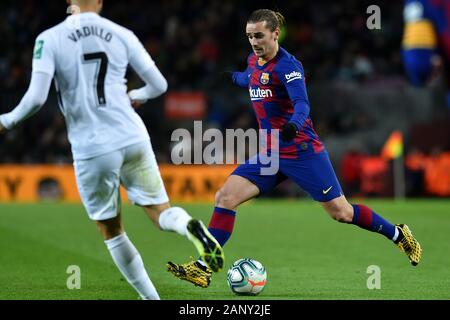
point(80, 2)
point(273, 19)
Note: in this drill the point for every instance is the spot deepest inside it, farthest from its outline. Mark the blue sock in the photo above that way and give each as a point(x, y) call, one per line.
point(366, 218)
point(222, 224)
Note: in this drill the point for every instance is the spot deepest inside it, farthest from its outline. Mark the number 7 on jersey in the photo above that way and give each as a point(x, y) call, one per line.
point(102, 61)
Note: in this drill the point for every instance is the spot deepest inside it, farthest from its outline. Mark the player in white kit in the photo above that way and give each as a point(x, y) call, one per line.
point(87, 56)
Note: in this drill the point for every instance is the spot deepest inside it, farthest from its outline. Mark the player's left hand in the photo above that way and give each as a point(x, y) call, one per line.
point(288, 132)
point(2, 129)
point(135, 104)
point(134, 99)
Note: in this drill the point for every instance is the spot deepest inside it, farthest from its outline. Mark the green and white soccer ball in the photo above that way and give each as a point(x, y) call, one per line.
point(247, 277)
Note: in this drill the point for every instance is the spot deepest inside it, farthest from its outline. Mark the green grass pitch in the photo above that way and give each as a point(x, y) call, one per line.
point(307, 255)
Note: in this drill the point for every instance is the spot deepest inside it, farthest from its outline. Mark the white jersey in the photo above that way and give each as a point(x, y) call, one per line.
point(88, 56)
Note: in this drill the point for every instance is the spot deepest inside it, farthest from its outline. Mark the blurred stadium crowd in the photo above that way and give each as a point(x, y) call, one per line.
point(192, 42)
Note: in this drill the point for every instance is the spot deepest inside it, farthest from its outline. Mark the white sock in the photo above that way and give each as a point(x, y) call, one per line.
point(200, 261)
point(175, 219)
point(130, 264)
point(395, 235)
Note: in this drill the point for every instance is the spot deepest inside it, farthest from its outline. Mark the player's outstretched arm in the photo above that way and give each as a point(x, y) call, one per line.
point(241, 79)
point(31, 102)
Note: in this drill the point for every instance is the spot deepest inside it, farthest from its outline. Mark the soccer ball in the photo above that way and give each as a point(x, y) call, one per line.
point(247, 277)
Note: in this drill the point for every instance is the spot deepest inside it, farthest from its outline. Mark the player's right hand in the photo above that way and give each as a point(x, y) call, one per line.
point(226, 76)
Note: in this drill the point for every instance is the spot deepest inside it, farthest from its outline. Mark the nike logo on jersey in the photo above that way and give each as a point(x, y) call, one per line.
point(328, 190)
point(294, 75)
point(259, 94)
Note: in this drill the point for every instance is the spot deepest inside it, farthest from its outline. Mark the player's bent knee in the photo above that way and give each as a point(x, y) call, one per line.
point(226, 200)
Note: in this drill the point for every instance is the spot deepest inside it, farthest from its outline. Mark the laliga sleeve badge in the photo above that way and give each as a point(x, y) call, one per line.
point(265, 78)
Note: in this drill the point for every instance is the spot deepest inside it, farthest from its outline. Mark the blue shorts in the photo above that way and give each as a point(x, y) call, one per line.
point(314, 174)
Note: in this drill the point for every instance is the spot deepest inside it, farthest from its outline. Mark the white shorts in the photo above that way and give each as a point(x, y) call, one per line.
point(99, 179)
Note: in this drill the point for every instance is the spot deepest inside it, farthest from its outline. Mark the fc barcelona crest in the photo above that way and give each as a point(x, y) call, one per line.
point(265, 78)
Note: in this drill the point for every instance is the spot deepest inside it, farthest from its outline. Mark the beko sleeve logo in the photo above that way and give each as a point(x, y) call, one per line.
point(294, 75)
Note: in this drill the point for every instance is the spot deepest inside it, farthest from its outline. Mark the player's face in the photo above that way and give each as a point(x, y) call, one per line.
point(263, 41)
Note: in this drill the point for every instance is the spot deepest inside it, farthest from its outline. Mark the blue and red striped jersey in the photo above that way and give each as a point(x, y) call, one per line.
point(278, 94)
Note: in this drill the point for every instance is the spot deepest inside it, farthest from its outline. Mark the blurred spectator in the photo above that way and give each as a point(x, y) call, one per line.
point(351, 172)
point(375, 177)
point(49, 189)
point(415, 164)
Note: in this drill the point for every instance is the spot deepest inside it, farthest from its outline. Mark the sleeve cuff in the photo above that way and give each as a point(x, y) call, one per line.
point(4, 121)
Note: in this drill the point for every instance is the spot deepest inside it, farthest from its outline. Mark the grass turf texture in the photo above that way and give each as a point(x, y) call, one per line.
point(306, 254)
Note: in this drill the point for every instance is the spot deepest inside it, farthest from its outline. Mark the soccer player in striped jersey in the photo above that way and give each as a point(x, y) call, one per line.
point(276, 83)
point(88, 55)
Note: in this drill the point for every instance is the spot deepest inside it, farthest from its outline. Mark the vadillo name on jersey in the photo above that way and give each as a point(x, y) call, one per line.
point(91, 31)
point(259, 94)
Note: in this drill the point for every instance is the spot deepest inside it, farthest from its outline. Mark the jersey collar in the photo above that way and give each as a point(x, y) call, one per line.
point(261, 63)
